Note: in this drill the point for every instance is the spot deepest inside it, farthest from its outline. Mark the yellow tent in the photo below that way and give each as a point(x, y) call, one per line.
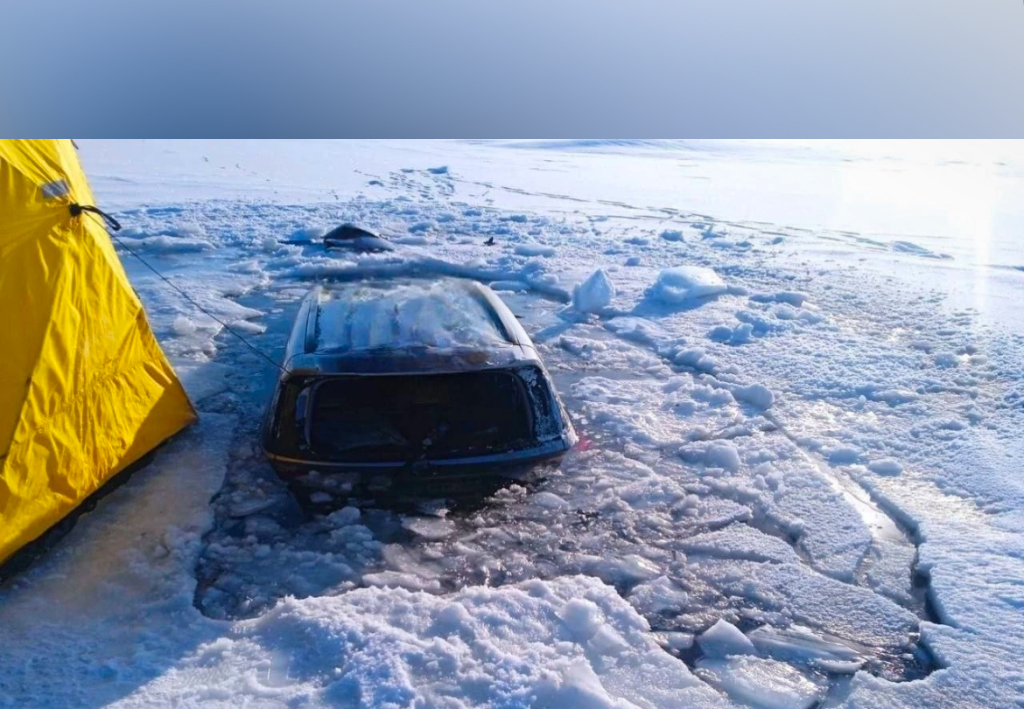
point(85, 390)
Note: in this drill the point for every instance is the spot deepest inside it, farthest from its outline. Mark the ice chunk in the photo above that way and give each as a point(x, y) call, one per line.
point(306, 235)
point(658, 596)
point(683, 283)
point(722, 639)
point(420, 227)
point(530, 249)
point(594, 294)
point(166, 244)
point(800, 644)
point(549, 500)
point(344, 517)
point(578, 686)
point(432, 528)
point(721, 333)
point(886, 466)
point(674, 640)
point(401, 579)
point(722, 455)
point(411, 240)
point(629, 569)
point(438, 314)
point(672, 235)
point(791, 297)
point(843, 455)
point(756, 394)
point(696, 358)
point(740, 541)
point(761, 683)
point(183, 326)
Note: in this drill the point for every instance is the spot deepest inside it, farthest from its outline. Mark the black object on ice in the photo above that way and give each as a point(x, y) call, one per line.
point(408, 382)
point(353, 238)
point(489, 242)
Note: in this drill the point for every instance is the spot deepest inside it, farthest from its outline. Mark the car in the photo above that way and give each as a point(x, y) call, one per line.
point(397, 382)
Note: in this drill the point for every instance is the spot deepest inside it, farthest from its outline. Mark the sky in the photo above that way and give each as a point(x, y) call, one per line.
point(786, 68)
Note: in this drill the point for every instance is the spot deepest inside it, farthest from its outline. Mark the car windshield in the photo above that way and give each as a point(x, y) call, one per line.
point(403, 418)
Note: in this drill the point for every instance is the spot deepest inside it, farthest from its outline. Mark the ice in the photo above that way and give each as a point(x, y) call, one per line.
point(756, 394)
point(400, 579)
point(886, 466)
point(534, 250)
point(724, 639)
point(168, 244)
point(792, 297)
point(439, 314)
point(684, 283)
point(805, 646)
point(549, 500)
point(740, 541)
point(594, 294)
point(307, 234)
point(761, 683)
point(183, 326)
point(723, 455)
point(844, 455)
point(887, 454)
point(428, 527)
point(660, 595)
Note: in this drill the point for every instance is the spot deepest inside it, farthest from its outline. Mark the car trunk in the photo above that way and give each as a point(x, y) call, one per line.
point(402, 418)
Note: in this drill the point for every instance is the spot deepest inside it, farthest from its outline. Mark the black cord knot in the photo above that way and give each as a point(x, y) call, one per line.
point(77, 209)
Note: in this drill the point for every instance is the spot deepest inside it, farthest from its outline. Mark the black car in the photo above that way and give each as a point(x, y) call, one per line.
point(406, 381)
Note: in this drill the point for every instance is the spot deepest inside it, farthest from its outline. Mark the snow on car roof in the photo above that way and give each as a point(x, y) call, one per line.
point(439, 314)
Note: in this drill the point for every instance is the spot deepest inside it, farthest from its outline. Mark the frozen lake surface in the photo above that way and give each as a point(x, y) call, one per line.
point(795, 371)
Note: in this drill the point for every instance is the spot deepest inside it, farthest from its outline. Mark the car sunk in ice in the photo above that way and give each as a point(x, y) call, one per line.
point(408, 381)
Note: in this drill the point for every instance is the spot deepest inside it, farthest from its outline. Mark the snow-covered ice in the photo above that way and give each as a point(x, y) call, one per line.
point(798, 477)
point(683, 283)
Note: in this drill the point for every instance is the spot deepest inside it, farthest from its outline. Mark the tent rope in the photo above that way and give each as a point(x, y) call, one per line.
point(77, 209)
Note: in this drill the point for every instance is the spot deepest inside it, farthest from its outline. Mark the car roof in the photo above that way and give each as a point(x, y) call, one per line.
point(407, 324)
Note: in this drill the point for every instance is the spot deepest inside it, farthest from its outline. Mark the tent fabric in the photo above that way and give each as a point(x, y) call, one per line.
point(85, 390)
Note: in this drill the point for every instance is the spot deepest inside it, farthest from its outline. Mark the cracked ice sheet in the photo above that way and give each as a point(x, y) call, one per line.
point(855, 335)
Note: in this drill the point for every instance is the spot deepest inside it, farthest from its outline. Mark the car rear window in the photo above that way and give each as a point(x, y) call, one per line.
point(409, 417)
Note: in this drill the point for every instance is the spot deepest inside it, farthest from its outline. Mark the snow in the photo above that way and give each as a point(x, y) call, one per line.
point(756, 394)
point(800, 422)
point(723, 455)
point(682, 283)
